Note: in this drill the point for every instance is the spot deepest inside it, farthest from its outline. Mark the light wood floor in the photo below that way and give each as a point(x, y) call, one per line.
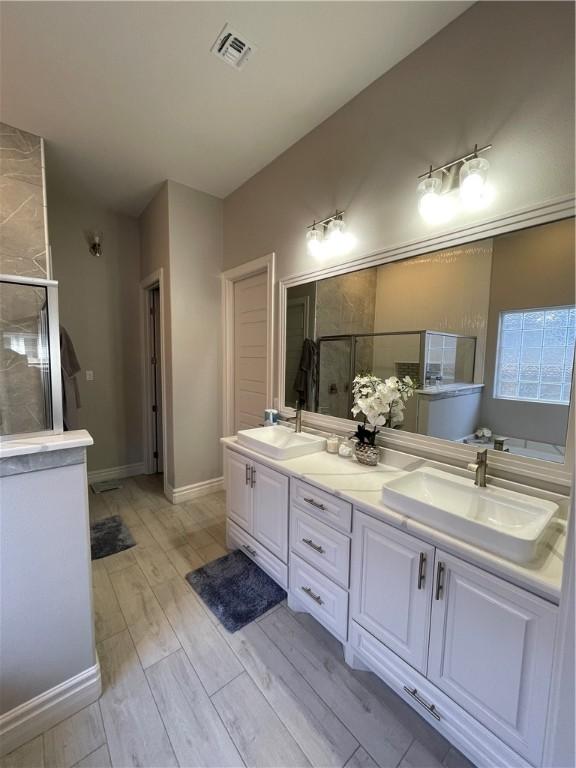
point(178, 689)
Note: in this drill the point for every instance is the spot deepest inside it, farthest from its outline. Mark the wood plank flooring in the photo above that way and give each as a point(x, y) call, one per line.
point(178, 689)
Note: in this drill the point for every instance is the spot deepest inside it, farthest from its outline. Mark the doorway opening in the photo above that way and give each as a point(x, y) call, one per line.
point(154, 407)
point(155, 369)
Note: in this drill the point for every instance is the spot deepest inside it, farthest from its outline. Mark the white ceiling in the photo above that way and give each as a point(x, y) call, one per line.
point(128, 94)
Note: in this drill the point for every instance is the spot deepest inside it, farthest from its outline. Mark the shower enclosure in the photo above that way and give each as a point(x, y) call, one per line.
point(430, 358)
point(30, 383)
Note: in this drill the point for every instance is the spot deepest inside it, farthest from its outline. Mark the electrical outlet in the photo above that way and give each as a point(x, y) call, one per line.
point(89, 375)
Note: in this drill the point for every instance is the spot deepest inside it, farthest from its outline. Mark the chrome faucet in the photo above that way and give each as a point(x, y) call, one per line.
point(480, 467)
point(298, 418)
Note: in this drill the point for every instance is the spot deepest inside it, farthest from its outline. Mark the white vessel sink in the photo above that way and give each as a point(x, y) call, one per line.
point(505, 522)
point(281, 442)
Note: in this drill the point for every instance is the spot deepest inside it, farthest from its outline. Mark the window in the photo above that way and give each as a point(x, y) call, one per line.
point(535, 355)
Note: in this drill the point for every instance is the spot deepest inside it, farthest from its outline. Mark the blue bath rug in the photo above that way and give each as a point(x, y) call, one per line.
point(109, 536)
point(235, 589)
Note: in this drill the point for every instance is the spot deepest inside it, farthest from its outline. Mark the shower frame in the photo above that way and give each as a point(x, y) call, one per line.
point(354, 336)
point(52, 378)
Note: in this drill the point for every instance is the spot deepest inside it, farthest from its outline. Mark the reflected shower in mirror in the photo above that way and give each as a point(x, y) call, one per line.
point(485, 330)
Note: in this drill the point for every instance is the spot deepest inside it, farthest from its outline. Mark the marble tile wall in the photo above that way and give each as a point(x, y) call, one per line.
point(344, 305)
point(23, 240)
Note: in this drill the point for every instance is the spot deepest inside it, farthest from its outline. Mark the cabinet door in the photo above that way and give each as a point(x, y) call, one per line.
point(270, 505)
point(238, 491)
point(491, 651)
point(392, 587)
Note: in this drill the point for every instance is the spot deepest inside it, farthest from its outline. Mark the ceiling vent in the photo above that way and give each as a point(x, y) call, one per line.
point(232, 48)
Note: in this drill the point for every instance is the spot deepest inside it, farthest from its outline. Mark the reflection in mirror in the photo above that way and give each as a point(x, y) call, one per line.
point(485, 330)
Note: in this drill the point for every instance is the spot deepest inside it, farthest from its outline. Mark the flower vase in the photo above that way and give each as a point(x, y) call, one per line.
point(367, 454)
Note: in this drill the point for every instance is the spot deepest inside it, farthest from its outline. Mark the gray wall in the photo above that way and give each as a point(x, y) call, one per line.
point(195, 266)
point(530, 269)
point(46, 608)
point(155, 255)
point(502, 73)
point(181, 232)
point(98, 299)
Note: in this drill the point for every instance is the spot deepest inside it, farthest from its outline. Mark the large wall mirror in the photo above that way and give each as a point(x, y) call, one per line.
point(485, 330)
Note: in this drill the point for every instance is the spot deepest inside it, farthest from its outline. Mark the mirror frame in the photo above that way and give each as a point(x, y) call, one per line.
point(510, 466)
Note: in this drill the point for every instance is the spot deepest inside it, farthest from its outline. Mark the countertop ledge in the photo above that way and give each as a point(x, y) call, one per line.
point(78, 438)
point(362, 485)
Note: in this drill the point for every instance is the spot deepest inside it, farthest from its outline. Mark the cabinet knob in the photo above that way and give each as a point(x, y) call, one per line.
point(421, 570)
point(428, 707)
point(316, 598)
point(439, 580)
point(315, 504)
point(315, 547)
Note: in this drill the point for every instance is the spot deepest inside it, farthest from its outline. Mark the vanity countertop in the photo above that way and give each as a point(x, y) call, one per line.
point(78, 438)
point(362, 486)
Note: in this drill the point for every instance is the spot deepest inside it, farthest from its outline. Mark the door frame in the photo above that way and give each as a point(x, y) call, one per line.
point(264, 264)
point(146, 285)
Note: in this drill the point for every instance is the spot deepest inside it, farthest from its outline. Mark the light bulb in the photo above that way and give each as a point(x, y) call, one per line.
point(474, 190)
point(338, 241)
point(314, 241)
point(434, 207)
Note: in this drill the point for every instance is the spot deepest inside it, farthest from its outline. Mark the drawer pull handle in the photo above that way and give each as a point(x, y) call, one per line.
point(429, 707)
point(421, 570)
point(316, 598)
point(247, 474)
point(315, 547)
point(253, 477)
point(249, 550)
point(315, 504)
point(439, 580)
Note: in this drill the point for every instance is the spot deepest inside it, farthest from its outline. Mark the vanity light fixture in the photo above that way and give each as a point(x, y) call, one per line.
point(329, 237)
point(437, 188)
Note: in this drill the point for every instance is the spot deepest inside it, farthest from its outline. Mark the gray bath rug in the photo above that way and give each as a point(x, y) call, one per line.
point(109, 536)
point(235, 589)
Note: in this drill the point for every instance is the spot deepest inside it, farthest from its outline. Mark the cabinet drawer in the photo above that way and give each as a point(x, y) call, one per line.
point(239, 539)
point(326, 507)
point(321, 597)
point(463, 731)
point(322, 546)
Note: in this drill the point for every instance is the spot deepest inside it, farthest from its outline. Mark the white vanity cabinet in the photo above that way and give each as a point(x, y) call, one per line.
point(471, 652)
point(392, 587)
point(483, 642)
point(491, 651)
point(257, 511)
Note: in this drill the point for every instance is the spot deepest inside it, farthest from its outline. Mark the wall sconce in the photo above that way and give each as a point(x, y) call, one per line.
point(95, 243)
point(329, 237)
point(468, 174)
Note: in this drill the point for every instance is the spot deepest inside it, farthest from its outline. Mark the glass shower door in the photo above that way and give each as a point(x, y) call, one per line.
point(27, 385)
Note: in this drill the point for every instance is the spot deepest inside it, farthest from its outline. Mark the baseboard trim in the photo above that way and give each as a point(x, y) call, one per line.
point(32, 718)
point(116, 473)
point(189, 492)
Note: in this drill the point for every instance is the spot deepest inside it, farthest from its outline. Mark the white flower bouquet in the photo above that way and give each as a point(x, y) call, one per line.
point(382, 403)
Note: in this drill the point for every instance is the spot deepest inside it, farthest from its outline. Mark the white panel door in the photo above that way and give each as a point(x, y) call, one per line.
point(238, 490)
point(491, 649)
point(250, 350)
point(270, 510)
point(392, 587)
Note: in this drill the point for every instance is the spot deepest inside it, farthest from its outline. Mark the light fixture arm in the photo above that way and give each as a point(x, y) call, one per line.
point(326, 221)
point(446, 166)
